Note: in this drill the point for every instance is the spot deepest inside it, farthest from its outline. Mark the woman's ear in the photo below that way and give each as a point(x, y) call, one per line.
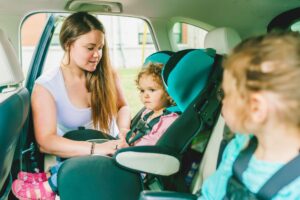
point(67, 47)
point(258, 107)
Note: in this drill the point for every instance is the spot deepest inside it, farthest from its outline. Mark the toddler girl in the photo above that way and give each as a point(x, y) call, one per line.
point(156, 118)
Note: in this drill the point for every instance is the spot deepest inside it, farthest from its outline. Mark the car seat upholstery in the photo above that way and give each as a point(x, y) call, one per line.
point(14, 107)
point(192, 92)
point(222, 40)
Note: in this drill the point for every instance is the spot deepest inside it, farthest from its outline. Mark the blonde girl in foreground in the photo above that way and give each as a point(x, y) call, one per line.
point(262, 102)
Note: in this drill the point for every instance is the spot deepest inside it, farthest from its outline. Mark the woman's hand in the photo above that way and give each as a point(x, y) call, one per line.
point(109, 147)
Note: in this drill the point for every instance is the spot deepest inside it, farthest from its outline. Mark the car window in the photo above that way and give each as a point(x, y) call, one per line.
point(187, 36)
point(31, 30)
point(129, 40)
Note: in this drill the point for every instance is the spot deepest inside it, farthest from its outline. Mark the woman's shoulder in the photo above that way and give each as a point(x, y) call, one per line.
point(48, 75)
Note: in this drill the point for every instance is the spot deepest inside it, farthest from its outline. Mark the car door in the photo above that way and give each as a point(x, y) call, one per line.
point(32, 159)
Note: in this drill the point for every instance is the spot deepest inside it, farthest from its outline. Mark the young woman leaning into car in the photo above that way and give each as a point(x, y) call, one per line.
point(84, 91)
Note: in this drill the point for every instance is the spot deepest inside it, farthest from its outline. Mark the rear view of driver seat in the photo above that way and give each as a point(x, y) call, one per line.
point(14, 107)
point(223, 40)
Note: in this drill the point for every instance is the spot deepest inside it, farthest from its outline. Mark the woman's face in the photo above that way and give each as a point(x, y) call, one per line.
point(86, 50)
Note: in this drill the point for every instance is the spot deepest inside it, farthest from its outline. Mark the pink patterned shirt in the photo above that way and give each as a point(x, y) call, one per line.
point(158, 129)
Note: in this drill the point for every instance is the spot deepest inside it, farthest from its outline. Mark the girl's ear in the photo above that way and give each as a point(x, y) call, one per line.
point(258, 107)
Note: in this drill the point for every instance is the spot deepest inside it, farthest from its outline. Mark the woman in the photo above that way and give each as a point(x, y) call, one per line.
point(83, 92)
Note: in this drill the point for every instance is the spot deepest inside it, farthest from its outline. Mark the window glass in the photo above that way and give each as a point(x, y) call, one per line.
point(187, 36)
point(31, 31)
point(129, 41)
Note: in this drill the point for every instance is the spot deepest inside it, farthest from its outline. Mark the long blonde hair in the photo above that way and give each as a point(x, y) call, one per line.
point(100, 82)
point(269, 63)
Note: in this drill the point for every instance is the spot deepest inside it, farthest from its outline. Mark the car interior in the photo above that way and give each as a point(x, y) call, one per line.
point(14, 111)
point(162, 159)
point(172, 169)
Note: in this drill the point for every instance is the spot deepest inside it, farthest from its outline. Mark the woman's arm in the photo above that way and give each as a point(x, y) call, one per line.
point(124, 115)
point(45, 128)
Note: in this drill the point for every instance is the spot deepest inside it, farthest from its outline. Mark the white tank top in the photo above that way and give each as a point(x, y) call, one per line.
point(68, 116)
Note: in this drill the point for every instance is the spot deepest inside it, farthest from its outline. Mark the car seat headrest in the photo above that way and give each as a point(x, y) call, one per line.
point(186, 74)
point(11, 71)
point(159, 57)
point(223, 40)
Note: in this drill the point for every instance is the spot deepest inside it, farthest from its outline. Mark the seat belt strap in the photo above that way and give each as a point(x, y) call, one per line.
point(285, 175)
point(242, 161)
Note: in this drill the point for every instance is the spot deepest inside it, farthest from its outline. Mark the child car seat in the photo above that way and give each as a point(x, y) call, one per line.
point(80, 134)
point(221, 39)
point(196, 98)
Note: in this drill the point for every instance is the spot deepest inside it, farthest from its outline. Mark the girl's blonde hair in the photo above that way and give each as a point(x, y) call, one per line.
point(269, 63)
point(100, 82)
point(155, 70)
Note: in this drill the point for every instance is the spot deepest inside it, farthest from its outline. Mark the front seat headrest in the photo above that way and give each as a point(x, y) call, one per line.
point(11, 71)
point(223, 40)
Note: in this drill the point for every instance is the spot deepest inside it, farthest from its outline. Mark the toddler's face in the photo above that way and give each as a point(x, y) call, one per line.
point(151, 93)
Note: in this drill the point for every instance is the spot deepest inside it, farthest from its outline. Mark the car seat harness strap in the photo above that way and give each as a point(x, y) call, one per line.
point(143, 127)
